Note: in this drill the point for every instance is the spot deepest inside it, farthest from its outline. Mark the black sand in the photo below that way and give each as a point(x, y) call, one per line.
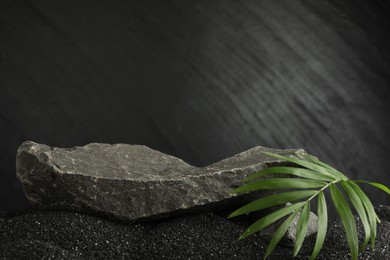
point(68, 235)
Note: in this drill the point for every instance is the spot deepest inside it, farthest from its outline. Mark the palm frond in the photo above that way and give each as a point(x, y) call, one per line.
point(347, 219)
point(271, 218)
point(280, 183)
point(299, 172)
point(303, 224)
point(358, 204)
point(315, 166)
point(376, 185)
point(326, 166)
point(311, 173)
point(273, 200)
point(322, 224)
point(279, 233)
point(372, 216)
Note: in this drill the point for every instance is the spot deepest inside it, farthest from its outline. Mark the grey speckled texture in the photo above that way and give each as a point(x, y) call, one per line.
point(65, 235)
point(133, 182)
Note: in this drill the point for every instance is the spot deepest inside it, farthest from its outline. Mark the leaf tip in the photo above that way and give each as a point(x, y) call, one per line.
point(232, 215)
point(235, 191)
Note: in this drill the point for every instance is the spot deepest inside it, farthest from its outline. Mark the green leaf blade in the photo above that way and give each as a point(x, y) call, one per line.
point(272, 200)
point(357, 203)
point(270, 218)
point(347, 219)
point(307, 164)
point(326, 166)
point(279, 233)
point(300, 172)
point(280, 183)
point(302, 228)
point(376, 185)
point(322, 223)
point(372, 217)
point(314, 174)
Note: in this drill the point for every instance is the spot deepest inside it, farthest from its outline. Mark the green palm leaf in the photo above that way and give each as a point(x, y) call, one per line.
point(322, 223)
point(280, 183)
point(311, 174)
point(306, 164)
point(377, 185)
point(302, 228)
point(279, 234)
point(372, 217)
point(273, 200)
point(357, 203)
point(304, 173)
point(270, 218)
point(347, 219)
point(316, 161)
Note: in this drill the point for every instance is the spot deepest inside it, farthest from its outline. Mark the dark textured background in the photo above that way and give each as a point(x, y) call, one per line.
point(201, 80)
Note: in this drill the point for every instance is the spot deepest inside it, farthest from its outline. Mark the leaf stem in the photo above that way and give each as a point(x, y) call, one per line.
point(322, 189)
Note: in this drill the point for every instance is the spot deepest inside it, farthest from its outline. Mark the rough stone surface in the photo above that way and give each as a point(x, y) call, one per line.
point(69, 235)
point(133, 182)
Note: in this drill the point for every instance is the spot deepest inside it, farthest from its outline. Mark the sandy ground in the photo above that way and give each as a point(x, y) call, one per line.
point(65, 235)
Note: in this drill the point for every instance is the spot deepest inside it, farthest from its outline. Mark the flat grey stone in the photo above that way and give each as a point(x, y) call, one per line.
point(133, 182)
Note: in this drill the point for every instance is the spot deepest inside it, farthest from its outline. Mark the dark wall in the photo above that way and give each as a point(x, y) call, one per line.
point(201, 80)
